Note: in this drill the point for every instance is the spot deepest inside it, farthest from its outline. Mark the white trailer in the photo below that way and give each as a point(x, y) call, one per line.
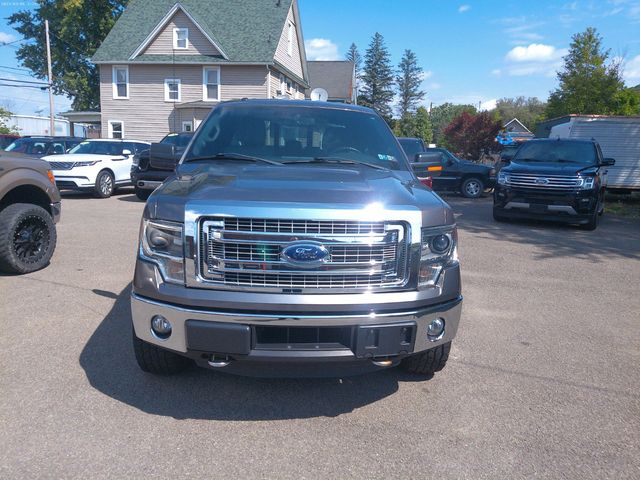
point(619, 138)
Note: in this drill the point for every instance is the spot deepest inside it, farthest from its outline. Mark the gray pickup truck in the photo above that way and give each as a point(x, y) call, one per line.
point(295, 240)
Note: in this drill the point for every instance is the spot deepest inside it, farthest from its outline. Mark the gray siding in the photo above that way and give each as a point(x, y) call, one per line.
point(292, 62)
point(198, 43)
point(147, 116)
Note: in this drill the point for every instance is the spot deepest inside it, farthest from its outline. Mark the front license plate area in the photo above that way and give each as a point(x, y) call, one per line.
point(385, 340)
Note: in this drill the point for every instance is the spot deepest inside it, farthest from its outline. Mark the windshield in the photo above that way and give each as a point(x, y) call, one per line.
point(33, 146)
point(180, 140)
point(557, 151)
point(411, 146)
point(297, 133)
point(98, 148)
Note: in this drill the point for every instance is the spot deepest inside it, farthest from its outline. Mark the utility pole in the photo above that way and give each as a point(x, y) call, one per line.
point(52, 124)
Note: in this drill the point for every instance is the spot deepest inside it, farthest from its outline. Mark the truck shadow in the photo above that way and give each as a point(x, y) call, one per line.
point(615, 237)
point(109, 364)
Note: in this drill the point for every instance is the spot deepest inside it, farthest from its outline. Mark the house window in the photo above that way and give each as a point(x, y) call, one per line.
point(283, 85)
point(290, 39)
point(187, 126)
point(180, 38)
point(120, 82)
point(211, 83)
point(289, 87)
point(116, 129)
point(172, 90)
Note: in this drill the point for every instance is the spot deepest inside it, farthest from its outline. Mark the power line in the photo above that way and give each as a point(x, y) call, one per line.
point(23, 86)
point(14, 68)
point(23, 81)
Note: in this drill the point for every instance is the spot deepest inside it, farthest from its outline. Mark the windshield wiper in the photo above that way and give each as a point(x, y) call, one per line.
point(341, 161)
point(232, 156)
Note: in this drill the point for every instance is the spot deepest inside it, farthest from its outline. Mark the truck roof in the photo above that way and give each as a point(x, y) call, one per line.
point(299, 103)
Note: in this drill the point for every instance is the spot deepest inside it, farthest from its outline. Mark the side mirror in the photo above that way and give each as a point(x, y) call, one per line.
point(428, 169)
point(126, 152)
point(608, 162)
point(163, 156)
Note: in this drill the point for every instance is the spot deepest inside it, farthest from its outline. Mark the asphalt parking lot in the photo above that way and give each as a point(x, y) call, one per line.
point(542, 381)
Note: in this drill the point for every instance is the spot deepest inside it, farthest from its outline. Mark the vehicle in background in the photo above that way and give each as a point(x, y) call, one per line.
point(37, 146)
point(29, 210)
point(7, 139)
point(559, 180)
point(468, 178)
point(617, 137)
point(294, 239)
point(153, 166)
point(96, 165)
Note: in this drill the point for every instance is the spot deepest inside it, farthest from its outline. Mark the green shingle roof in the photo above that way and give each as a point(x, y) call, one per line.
point(245, 30)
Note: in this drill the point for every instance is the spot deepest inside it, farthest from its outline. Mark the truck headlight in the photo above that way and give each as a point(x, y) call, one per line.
point(162, 243)
point(503, 179)
point(439, 249)
point(586, 183)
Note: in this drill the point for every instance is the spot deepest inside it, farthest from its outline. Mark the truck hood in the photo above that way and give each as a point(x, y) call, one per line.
point(293, 186)
point(543, 168)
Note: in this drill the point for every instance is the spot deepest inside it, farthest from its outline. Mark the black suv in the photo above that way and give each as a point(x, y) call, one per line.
point(146, 177)
point(468, 178)
point(42, 146)
point(559, 180)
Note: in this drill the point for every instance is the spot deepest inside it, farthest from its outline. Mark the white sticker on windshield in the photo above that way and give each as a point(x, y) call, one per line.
point(388, 158)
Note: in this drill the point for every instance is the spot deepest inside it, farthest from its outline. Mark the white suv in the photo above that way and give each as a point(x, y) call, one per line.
point(97, 165)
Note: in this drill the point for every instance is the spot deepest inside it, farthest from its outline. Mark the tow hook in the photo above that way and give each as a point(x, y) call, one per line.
point(219, 361)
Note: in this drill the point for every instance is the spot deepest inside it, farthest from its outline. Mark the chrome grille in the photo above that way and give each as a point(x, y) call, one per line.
point(302, 226)
point(552, 182)
point(61, 165)
point(247, 254)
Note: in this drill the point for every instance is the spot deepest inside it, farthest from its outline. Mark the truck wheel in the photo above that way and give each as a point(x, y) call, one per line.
point(497, 217)
point(427, 362)
point(27, 238)
point(104, 184)
point(143, 193)
point(592, 224)
point(156, 360)
point(472, 187)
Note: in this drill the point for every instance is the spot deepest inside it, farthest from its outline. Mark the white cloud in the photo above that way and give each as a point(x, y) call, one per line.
point(426, 74)
point(321, 49)
point(496, 71)
point(489, 104)
point(535, 52)
point(7, 37)
point(632, 71)
point(464, 8)
point(434, 86)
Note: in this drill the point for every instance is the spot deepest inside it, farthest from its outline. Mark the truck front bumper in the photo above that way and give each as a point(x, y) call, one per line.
point(248, 343)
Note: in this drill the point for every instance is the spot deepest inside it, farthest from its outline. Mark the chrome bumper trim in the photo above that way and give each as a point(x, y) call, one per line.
point(148, 184)
point(552, 208)
point(142, 309)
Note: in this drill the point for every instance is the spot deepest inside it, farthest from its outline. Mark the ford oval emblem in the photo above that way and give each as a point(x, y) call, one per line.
point(542, 181)
point(305, 254)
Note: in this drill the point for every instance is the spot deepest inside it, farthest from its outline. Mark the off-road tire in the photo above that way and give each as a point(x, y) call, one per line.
point(427, 362)
point(27, 238)
point(592, 224)
point(142, 193)
point(472, 187)
point(497, 217)
point(101, 190)
point(157, 360)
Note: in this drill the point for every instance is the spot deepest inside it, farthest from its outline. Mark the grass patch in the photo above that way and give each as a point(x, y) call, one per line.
point(623, 205)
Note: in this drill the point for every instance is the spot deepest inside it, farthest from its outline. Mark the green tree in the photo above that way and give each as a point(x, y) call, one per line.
point(4, 116)
point(77, 28)
point(423, 125)
point(442, 115)
point(627, 102)
point(353, 55)
point(469, 135)
point(377, 78)
point(408, 80)
point(528, 110)
point(588, 82)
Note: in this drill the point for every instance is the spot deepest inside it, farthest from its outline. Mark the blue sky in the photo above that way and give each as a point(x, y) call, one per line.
point(471, 51)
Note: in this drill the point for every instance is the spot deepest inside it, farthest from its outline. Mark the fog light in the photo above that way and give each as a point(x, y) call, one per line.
point(435, 329)
point(160, 327)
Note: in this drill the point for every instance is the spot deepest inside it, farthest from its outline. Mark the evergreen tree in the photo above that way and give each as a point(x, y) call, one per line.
point(588, 84)
point(353, 55)
point(423, 128)
point(377, 78)
point(408, 80)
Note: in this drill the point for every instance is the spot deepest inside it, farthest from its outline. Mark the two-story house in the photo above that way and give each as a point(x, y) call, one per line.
point(165, 64)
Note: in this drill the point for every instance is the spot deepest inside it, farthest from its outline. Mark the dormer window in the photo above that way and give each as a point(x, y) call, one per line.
point(180, 38)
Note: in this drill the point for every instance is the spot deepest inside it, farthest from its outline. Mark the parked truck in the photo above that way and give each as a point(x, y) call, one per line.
point(295, 239)
point(618, 137)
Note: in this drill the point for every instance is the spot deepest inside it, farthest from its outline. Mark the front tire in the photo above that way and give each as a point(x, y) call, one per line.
point(156, 360)
point(472, 187)
point(105, 184)
point(427, 362)
point(497, 217)
point(27, 238)
point(592, 224)
point(143, 193)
